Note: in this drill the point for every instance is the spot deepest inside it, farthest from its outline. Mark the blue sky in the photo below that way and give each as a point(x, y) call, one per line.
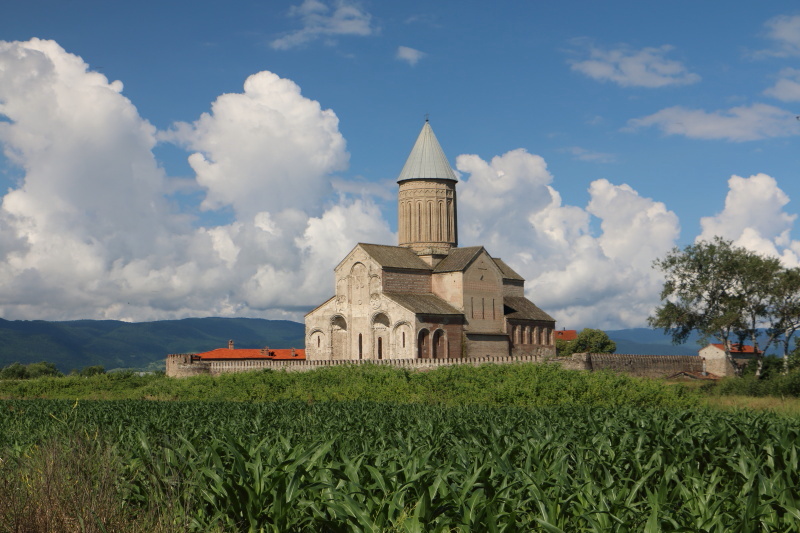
point(590, 138)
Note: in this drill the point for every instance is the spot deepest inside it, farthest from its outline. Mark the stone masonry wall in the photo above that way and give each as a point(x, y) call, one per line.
point(652, 366)
point(184, 365)
point(226, 367)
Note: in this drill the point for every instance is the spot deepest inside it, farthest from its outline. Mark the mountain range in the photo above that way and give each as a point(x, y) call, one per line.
point(144, 345)
point(138, 345)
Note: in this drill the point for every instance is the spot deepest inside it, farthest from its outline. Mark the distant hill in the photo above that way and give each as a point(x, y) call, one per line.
point(646, 341)
point(115, 344)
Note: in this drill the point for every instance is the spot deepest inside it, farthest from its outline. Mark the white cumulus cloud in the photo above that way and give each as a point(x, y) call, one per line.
point(738, 124)
point(509, 205)
point(784, 30)
point(89, 233)
point(787, 88)
point(321, 20)
point(409, 55)
point(266, 149)
point(754, 218)
point(648, 67)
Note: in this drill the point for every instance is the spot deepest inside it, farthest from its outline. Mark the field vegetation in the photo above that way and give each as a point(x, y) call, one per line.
point(493, 448)
point(367, 466)
point(523, 385)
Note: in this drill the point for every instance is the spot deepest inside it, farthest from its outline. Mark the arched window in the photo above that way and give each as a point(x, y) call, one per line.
point(380, 348)
point(404, 339)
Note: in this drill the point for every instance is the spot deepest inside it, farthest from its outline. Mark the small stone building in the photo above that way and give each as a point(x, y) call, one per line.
point(717, 363)
point(426, 298)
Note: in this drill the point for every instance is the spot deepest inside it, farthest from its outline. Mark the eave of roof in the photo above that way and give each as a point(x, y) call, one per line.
point(395, 257)
point(524, 309)
point(508, 272)
point(423, 304)
point(458, 259)
point(320, 305)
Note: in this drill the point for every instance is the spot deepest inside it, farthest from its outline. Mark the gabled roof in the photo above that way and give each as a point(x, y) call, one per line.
point(508, 272)
point(252, 353)
point(395, 257)
point(425, 304)
point(458, 259)
point(427, 159)
point(521, 308)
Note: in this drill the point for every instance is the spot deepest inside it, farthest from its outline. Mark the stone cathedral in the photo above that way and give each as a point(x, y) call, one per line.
point(426, 297)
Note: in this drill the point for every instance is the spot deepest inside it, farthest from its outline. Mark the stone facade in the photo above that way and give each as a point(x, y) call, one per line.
point(426, 298)
point(717, 362)
point(648, 366)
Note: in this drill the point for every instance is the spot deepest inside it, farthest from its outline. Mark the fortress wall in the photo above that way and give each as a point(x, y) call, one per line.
point(578, 361)
point(224, 367)
point(650, 366)
point(184, 365)
point(521, 350)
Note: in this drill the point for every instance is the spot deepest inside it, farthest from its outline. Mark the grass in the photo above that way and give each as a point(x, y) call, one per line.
point(781, 406)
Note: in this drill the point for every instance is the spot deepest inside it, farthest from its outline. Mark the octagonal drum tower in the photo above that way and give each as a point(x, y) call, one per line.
point(426, 208)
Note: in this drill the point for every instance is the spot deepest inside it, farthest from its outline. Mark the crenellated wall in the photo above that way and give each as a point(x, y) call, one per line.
point(652, 366)
point(226, 367)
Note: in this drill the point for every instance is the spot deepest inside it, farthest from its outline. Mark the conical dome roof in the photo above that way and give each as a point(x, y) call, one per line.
point(427, 159)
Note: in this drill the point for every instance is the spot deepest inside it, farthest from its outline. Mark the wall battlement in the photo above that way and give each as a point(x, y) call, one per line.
point(651, 366)
point(654, 366)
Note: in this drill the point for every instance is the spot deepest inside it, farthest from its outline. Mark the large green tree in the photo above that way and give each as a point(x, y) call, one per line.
point(727, 293)
point(784, 312)
point(588, 341)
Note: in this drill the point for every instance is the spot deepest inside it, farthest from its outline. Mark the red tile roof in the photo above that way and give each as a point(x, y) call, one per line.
point(737, 348)
point(566, 334)
point(252, 353)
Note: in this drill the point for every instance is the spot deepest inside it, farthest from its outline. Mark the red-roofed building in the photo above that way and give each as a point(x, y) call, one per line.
point(717, 363)
point(566, 334)
point(227, 354)
point(229, 360)
point(738, 349)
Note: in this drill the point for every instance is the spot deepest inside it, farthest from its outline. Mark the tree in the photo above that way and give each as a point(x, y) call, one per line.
point(588, 341)
point(89, 371)
point(29, 371)
point(728, 293)
point(758, 284)
point(44, 368)
point(784, 312)
point(14, 371)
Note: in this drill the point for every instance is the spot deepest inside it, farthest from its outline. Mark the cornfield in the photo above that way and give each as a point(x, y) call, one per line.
point(359, 466)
